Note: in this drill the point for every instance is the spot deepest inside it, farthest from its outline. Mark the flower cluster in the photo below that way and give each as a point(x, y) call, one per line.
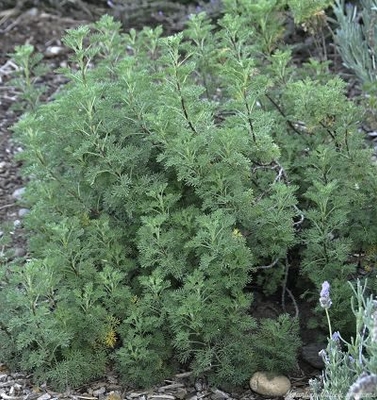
point(365, 384)
point(325, 299)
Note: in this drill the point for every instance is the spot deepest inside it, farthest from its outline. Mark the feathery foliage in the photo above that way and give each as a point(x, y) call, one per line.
point(169, 173)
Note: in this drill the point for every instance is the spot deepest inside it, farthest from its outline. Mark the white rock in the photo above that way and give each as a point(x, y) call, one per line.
point(16, 223)
point(269, 384)
point(23, 211)
point(53, 51)
point(44, 396)
point(17, 194)
point(99, 392)
point(17, 387)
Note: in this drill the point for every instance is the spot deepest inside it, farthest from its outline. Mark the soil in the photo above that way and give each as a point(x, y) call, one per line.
point(43, 28)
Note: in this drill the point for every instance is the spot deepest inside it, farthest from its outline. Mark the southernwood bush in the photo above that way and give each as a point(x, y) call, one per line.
point(165, 176)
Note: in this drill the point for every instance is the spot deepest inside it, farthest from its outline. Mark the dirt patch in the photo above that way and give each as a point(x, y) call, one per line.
point(44, 31)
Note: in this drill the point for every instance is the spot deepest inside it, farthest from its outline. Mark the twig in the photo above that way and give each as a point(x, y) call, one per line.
point(220, 394)
point(183, 375)
point(283, 114)
point(302, 218)
point(7, 206)
point(268, 266)
point(171, 386)
point(285, 289)
point(293, 301)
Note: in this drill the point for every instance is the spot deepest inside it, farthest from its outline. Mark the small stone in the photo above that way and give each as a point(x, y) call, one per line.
point(17, 387)
point(99, 392)
point(270, 384)
point(33, 12)
point(200, 384)
point(19, 252)
point(44, 396)
point(16, 223)
point(23, 211)
point(219, 395)
point(53, 51)
point(3, 377)
point(181, 393)
point(309, 353)
point(114, 396)
point(17, 194)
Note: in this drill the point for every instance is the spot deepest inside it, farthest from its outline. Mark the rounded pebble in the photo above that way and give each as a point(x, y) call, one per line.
point(19, 252)
point(269, 384)
point(17, 194)
point(23, 211)
point(310, 354)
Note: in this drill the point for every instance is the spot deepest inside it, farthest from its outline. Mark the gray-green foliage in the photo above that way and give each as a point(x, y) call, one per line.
point(29, 71)
point(356, 37)
point(356, 40)
point(351, 366)
point(162, 176)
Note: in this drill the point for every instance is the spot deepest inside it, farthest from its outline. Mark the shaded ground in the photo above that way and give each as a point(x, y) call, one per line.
point(44, 29)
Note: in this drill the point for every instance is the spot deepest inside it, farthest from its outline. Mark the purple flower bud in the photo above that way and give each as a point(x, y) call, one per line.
point(365, 384)
point(336, 336)
point(324, 299)
point(324, 356)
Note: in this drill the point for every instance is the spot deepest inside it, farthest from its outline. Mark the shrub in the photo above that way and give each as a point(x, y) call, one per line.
point(166, 175)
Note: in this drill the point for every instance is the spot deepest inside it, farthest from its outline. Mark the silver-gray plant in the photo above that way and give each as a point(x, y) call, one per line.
point(350, 367)
point(356, 37)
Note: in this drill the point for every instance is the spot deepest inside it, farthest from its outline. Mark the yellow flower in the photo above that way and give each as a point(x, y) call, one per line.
point(110, 338)
point(134, 299)
point(236, 233)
